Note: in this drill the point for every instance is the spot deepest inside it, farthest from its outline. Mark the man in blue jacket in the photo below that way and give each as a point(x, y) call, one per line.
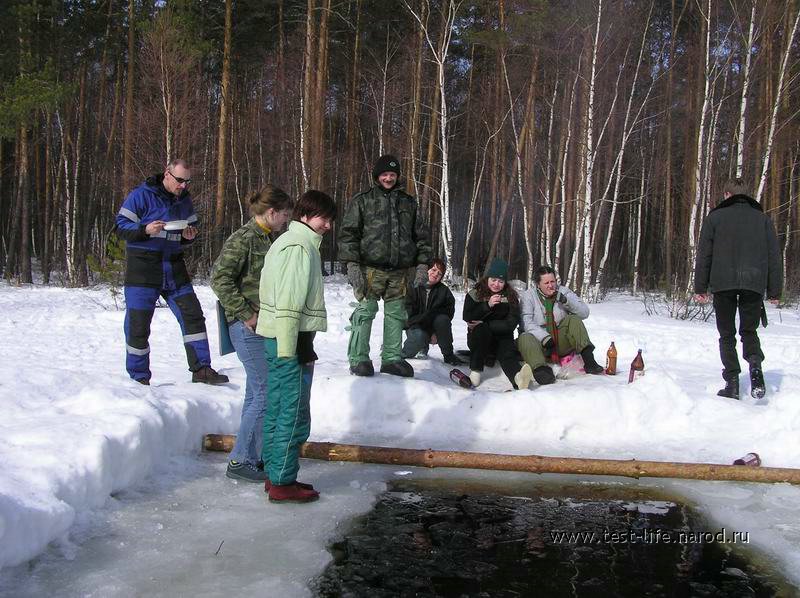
point(157, 220)
point(739, 261)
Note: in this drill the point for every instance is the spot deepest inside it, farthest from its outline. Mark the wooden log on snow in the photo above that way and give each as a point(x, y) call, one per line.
point(631, 468)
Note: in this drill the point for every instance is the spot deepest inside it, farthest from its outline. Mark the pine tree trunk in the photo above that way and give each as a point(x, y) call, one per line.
point(128, 181)
point(222, 133)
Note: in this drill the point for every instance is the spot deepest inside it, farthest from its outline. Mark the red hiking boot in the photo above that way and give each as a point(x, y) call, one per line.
point(268, 485)
point(291, 493)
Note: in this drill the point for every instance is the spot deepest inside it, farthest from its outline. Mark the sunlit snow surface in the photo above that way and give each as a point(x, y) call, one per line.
point(80, 443)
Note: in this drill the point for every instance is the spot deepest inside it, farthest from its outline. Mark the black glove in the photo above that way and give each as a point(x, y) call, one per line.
point(305, 348)
point(562, 299)
point(549, 345)
point(421, 275)
point(355, 276)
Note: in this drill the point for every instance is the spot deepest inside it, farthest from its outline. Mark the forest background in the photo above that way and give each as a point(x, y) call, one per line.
point(592, 135)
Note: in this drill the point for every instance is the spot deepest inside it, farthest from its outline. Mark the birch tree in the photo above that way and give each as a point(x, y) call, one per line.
point(748, 49)
point(775, 107)
point(439, 51)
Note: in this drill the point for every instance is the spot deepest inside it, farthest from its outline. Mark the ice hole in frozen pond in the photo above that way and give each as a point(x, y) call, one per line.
point(466, 538)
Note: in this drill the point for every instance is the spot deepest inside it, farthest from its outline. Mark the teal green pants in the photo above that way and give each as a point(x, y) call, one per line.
point(391, 287)
point(287, 422)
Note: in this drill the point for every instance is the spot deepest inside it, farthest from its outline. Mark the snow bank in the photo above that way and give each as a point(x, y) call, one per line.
point(75, 429)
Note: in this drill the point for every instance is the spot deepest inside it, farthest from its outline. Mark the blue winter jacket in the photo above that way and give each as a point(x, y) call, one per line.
point(157, 260)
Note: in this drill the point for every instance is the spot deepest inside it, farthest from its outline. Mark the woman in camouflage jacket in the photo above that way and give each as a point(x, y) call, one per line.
point(235, 279)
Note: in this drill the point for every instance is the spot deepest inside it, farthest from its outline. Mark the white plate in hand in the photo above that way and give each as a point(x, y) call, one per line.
point(176, 225)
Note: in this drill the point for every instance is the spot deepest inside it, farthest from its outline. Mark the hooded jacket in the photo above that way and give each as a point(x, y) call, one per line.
point(534, 319)
point(236, 273)
point(291, 294)
point(381, 229)
point(502, 318)
point(423, 305)
point(738, 250)
point(154, 260)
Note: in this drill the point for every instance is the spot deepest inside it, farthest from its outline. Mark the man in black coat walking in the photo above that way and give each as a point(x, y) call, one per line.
point(738, 260)
point(430, 308)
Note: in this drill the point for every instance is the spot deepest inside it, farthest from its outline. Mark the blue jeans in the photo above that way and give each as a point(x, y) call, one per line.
point(250, 351)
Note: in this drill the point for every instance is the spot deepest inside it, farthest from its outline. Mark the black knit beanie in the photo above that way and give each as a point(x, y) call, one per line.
point(386, 163)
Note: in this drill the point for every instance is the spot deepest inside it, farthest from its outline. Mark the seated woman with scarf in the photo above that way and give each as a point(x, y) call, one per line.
point(552, 326)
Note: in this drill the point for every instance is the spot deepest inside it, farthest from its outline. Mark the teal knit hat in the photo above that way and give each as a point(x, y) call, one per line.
point(497, 269)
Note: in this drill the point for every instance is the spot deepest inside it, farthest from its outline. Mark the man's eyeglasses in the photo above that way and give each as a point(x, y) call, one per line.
point(179, 180)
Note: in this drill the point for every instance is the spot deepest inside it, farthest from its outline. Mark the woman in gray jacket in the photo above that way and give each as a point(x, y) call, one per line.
point(552, 326)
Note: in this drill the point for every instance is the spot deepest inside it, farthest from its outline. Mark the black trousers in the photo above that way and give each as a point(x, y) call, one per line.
point(749, 305)
point(482, 342)
point(418, 338)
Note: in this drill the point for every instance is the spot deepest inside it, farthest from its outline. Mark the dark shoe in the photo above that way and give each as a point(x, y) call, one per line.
point(398, 368)
point(268, 485)
point(490, 360)
point(245, 472)
point(731, 390)
point(291, 493)
point(145, 381)
point(207, 375)
point(544, 375)
point(362, 368)
point(590, 366)
point(453, 359)
point(757, 387)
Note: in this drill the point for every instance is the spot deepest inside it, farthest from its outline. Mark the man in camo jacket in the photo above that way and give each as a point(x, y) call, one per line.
point(381, 237)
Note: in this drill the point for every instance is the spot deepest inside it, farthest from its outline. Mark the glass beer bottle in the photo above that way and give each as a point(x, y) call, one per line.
point(460, 378)
point(750, 459)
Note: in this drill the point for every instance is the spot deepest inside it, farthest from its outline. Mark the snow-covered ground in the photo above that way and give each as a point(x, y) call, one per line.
point(75, 430)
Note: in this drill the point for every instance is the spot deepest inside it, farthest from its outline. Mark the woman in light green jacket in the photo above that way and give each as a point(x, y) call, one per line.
point(292, 311)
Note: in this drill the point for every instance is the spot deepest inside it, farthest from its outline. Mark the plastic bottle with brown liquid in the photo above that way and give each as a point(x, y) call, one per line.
point(637, 367)
point(611, 360)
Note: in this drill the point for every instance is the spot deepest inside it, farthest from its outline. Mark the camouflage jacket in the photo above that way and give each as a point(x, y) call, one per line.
point(382, 229)
point(236, 273)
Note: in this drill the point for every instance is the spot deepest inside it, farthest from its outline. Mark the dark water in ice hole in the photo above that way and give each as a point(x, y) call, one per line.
point(445, 538)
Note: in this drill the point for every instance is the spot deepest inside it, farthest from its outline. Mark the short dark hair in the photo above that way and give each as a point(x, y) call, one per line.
point(541, 271)
point(439, 264)
point(315, 203)
point(735, 187)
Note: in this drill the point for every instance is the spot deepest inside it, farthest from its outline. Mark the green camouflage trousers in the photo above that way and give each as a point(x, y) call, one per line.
point(572, 336)
point(389, 285)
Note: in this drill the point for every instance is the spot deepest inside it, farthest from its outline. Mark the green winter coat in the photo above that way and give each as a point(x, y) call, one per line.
point(292, 298)
point(382, 229)
point(236, 272)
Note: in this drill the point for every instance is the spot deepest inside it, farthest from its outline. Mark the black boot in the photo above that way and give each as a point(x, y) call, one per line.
point(544, 375)
point(757, 387)
point(398, 368)
point(731, 390)
point(589, 363)
point(362, 368)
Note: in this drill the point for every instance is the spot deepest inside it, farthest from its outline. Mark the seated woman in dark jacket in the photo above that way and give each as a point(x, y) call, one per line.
point(491, 310)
